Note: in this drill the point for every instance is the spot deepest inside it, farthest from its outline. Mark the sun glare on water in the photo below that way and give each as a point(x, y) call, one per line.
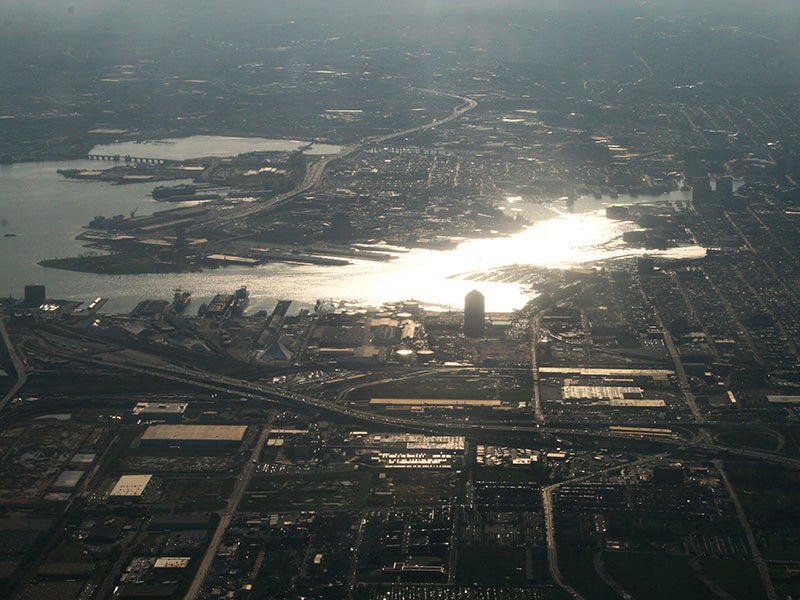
point(444, 277)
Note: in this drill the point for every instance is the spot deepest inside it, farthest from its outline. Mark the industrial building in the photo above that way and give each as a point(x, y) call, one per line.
point(169, 412)
point(130, 487)
point(172, 562)
point(611, 395)
point(68, 480)
point(194, 435)
point(404, 451)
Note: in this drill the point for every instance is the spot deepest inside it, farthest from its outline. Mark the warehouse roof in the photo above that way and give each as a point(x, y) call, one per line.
point(131, 485)
point(195, 433)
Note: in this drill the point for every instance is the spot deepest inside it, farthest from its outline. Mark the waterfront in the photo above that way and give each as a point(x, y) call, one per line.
point(45, 212)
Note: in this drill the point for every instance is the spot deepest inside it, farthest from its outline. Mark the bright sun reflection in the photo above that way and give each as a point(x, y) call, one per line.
point(443, 278)
point(435, 278)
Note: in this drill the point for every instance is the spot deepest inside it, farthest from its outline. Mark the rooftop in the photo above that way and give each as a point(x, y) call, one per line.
point(195, 433)
point(131, 485)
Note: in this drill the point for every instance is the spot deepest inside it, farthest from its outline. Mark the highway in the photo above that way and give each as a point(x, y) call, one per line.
point(763, 570)
point(19, 367)
point(226, 515)
point(315, 170)
point(140, 362)
point(537, 397)
point(155, 366)
point(680, 372)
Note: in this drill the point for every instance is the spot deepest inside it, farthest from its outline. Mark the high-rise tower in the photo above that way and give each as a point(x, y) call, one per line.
point(474, 314)
point(35, 295)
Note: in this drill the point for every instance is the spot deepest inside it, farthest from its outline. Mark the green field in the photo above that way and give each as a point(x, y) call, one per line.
point(491, 565)
point(657, 576)
point(759, 439)
point(577, 569)
point(737, 577)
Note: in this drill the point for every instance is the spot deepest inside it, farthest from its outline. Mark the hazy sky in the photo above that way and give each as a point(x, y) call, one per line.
point(27, 27)
point(159, 14)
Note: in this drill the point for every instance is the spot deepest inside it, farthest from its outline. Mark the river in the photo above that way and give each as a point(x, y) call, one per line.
point(45, 212)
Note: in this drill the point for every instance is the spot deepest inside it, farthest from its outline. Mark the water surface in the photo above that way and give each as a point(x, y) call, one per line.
point(46, 211)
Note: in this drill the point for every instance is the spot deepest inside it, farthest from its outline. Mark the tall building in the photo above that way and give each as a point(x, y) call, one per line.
point(35, 295)
point(724, 187)
point(691, 164)
point(701, 189)
point(474, 314)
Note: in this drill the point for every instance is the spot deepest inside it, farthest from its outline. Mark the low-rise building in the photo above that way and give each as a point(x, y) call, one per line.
point(130, 487)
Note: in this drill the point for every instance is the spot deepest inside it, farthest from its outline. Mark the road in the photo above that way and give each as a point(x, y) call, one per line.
point(19, 367)
point(537, 398)
point(680, 373)
point(549, 519)
point(763, 571)
point(315, 170)
point(61, 344)
point(155, 366)
point(226, 515)
point(140, 362)
point(352, 575)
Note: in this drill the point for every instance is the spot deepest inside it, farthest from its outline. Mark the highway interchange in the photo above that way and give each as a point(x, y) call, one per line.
point(100, 355)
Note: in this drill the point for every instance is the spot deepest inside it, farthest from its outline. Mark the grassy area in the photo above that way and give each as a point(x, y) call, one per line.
point(296, 492)
point(269, 454)
point(201, 495)
point(540, 573)
point(657, 576)
point(661, 531)
point(770, 494)
point(787, 585)
point(779, 547)
point(69, 552)
point(759, 439)
point(737, 577)
point(490, 565)
point(363, 490)
point(791, 434)
point(577, 569)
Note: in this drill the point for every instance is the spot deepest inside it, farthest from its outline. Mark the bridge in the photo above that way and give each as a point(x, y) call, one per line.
point(132, 159)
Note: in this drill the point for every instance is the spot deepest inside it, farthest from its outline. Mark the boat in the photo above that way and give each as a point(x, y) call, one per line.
point(163, 192)
point(181, 300)
point(241, 298)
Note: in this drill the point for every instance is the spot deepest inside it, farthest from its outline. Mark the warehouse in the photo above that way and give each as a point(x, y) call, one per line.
point(194, 435)
point(68, 480)
point(130, 487)
point(168, 412)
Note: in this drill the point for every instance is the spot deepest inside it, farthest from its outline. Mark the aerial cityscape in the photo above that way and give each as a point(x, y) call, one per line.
point(433, 300)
